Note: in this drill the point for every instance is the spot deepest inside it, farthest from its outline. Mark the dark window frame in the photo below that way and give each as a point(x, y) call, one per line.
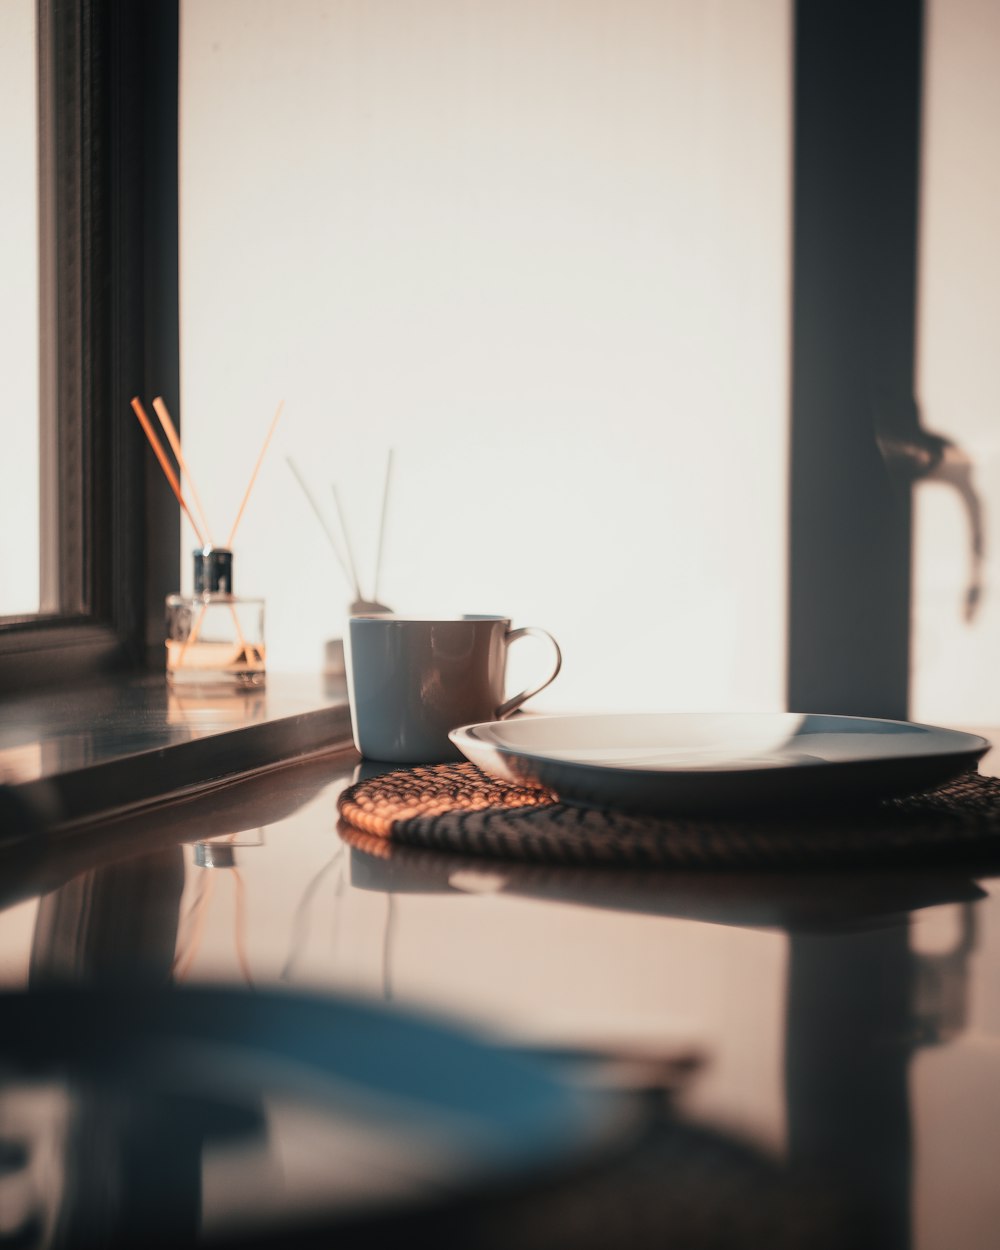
point(107, 90)
point(856, 163)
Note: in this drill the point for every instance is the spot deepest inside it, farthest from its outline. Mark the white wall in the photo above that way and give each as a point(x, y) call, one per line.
point(538, 247)
point(955, 672)
point(19, 516)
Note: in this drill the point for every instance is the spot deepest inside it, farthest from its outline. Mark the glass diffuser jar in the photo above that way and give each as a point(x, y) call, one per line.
point(215, 640)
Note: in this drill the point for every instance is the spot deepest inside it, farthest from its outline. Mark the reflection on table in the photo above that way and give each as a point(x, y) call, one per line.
point(811, 1056)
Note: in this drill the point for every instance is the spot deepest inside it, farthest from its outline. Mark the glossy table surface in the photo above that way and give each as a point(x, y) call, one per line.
point(842, 1028)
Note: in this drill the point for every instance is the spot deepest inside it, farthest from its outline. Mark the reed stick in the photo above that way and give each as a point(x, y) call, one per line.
point(347, 541)
point(165, 465)
point(240, 925)
point(241, 642)
point(311, 499)
point(381, 525)
point(195, 923)
point(160, 408)
point(253, 476)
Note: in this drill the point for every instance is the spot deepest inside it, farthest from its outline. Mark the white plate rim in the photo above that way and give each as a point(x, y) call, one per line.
point(959, 743)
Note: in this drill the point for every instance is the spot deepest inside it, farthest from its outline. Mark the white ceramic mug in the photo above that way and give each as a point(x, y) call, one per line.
point(412, 680)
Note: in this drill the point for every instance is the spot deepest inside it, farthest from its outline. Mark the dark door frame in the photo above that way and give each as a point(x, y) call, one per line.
point(857, 107)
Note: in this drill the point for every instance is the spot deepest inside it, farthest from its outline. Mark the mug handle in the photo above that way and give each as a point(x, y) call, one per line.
point(512, 704)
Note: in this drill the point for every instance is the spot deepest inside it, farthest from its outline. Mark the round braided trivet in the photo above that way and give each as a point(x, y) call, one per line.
point(458, 808)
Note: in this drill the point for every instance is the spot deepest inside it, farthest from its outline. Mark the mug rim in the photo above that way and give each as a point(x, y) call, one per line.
point(396, 618)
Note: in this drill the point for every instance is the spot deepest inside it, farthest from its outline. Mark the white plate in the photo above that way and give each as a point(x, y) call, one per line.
point(702, 763)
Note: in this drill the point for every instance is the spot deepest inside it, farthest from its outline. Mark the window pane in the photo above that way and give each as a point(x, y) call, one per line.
point(19, 324)
point(540, 248)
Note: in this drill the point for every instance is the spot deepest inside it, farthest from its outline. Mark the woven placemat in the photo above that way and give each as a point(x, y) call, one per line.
point(458, 808)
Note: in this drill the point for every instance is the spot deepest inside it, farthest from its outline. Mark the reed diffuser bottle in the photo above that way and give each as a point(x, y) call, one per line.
point(215, 639)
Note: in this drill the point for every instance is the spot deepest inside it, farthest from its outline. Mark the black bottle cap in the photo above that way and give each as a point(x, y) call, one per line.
point(214, 855)
point(213, 571)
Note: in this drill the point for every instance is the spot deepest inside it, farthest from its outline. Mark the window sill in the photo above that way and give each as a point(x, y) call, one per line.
point(69, 757)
